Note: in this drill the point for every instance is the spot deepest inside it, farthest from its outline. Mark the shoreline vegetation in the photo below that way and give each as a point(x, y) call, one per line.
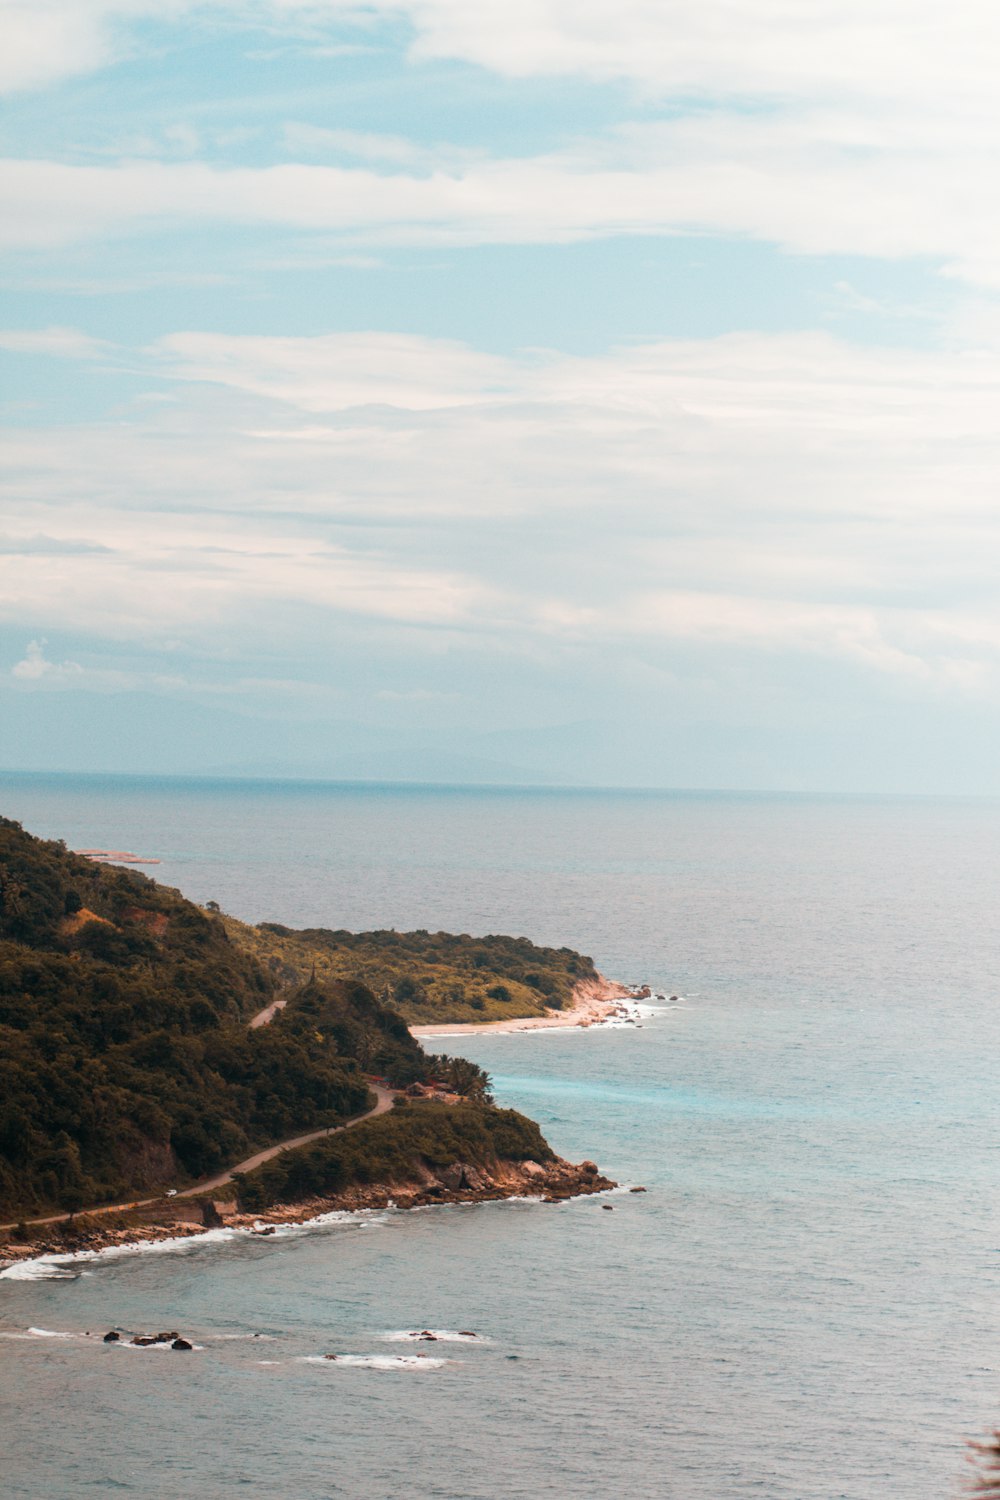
point(430, 1153)
point(428, 978)
point(593, 1003)
point(147, 1044)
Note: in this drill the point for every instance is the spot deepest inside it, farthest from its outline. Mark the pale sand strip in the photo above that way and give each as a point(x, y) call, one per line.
point(593, 1000)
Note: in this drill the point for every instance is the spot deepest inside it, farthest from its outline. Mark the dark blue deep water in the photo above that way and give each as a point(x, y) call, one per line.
point(804, 1306)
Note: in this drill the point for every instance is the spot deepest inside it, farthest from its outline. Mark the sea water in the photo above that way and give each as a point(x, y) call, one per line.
point(803, 1306)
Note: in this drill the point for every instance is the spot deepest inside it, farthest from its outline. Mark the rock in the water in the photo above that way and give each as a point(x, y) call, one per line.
point(467, 1333)
point(609, 1208)
point(181, 1344)
point(329, 1356)
point(638, 1190)
point(112, 1337)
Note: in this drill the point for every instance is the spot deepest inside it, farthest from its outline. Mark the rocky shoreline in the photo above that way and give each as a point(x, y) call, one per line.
point(595, 1002)
point(551, 1182)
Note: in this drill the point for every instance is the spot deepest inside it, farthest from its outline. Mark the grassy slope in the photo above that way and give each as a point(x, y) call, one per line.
point(426, 977)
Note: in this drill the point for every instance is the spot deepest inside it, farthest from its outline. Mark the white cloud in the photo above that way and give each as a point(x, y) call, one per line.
point(336, 371)
point(879, 49)
point(62, 343)
point(33, 666)
point(783, 495)
point(42, 43)
point(856, 128)
point(313, 140)
point(807, 183)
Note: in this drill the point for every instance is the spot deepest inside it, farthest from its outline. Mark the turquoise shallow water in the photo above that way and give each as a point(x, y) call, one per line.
point(803, 1306)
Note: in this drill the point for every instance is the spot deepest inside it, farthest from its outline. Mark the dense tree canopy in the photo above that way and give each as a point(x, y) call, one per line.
point(425, 976)
point(126, 1062)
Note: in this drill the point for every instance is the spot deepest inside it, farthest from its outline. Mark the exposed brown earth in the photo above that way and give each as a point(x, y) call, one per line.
point(71, 925)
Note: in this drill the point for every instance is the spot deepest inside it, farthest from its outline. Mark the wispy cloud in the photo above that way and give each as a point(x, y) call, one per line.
point(775, 494)
point(62, 343)
point(806, 184)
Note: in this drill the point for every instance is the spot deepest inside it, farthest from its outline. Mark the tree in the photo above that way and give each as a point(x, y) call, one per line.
point(468, 1079)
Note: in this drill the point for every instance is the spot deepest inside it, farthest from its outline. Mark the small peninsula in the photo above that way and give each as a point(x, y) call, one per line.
point(437, 978)
point(164, 1068)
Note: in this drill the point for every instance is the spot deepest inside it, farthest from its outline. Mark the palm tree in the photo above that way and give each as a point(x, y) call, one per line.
point(469, 1080)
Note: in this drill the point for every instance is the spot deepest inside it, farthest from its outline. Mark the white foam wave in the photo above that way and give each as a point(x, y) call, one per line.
point(377, 1361)
point(260, 1337)
point(148, 1348)
point(59, 1267)
point(37, 1333)
point(439, 1335)
point(42, 1268)
point(360, 1218)
point(54, 1266)
point(184, 1242)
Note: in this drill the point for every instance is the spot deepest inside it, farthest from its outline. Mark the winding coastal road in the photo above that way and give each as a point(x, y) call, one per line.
point(382, 1106)
point(385, 1098)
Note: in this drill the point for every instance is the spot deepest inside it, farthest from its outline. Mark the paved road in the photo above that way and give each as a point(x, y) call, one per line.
point(385, 1098)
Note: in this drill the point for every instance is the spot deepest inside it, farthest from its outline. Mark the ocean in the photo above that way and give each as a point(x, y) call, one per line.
point(803, 1306)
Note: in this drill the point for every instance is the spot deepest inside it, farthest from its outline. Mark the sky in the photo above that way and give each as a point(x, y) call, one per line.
point(560, 391)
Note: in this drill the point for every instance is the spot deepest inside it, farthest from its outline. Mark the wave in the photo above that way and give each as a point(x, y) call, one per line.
point(378, 1361)
point(93, 1339)
point(355, 1218)
point(148, 1348)
point(37, 1333)
point(42, 1268)
point(438, 1335)
point(57, 1266)
point(219, 1337)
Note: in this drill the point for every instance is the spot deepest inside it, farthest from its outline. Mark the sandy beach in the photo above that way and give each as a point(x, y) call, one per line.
point(594, 1001)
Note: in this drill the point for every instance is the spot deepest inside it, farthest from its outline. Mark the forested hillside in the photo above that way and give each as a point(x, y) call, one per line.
point(126, 1063)
point(425, 976)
